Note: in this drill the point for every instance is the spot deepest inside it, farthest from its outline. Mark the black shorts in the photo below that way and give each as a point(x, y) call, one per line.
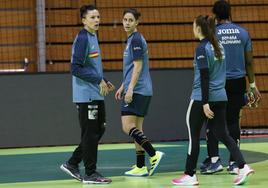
point(138, 107)
point(235, 90)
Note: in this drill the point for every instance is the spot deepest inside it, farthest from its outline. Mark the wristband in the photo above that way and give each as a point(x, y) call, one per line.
point(252, 85)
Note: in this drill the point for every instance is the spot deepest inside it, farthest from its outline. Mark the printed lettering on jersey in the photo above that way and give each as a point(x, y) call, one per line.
point(137, 48)
point(228, 31)
point(230, 41)
point(229, 36)
point(200, 57)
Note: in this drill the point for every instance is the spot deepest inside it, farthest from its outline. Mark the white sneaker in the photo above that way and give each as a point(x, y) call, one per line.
point(185, 180)
point(243, 175)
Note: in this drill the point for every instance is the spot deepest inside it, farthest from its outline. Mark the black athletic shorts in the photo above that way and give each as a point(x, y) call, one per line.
point(138, 107)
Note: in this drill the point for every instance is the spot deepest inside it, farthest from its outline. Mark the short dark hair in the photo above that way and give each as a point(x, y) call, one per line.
point(133, 11)
point(85, 8)
point(222, 10)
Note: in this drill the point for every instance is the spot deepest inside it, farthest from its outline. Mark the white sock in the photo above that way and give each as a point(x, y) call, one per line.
point(214, 159)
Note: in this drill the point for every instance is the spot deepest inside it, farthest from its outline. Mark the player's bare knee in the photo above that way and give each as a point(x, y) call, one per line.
point(127, 128)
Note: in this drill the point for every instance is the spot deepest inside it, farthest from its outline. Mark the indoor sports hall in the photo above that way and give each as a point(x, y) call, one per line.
point(39, 126)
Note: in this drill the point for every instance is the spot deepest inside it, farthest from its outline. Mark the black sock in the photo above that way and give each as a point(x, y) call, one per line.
point(141, 139)
point(140, 158)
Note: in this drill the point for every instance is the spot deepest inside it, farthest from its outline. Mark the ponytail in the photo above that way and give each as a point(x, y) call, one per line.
point(207, 25)
point(212, 37)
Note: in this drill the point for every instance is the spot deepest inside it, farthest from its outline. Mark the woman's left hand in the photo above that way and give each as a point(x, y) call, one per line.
point(209, 114)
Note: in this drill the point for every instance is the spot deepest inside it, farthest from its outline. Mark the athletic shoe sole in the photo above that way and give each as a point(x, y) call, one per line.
point(69, 173)
point(95, 182)
point(243, 181)
point(212, 172)
point(135, 175)
point(185, 184)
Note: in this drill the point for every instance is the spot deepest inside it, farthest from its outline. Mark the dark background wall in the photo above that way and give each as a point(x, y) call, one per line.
point(37, 109)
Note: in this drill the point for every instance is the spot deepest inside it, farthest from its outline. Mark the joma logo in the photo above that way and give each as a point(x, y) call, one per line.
point(228, 31)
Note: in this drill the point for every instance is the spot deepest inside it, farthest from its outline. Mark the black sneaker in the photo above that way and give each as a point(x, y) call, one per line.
point(71, 170)
point(233, 168)
point(205, 164)
point(96, 178)
point(213, 168)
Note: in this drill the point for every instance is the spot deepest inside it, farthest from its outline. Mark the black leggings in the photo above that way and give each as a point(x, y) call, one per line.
point(233, 118)
point(235, 90)
point(195, 119)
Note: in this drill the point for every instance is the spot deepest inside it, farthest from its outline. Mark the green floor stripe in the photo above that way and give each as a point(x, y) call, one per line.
point(39, 167)
point(53, 149)
point(159, 180)
point(113, 162)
